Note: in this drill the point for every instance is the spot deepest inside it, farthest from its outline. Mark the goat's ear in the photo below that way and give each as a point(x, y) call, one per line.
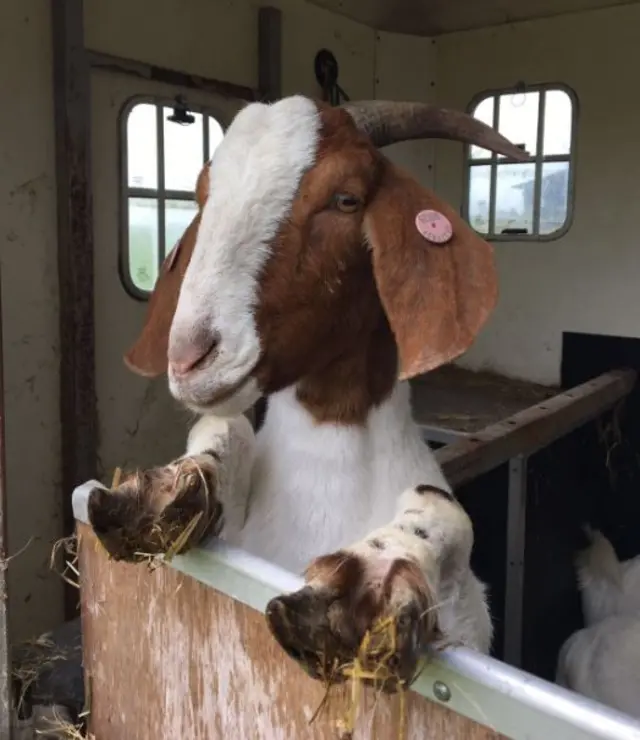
point(436, 296)
point(148, 356)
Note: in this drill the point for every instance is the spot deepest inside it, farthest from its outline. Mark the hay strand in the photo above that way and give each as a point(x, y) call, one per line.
point(33, 664)
point(61, 729)
point(68, 548)
point(371, 665)
point(182, 539)
point(117, 475)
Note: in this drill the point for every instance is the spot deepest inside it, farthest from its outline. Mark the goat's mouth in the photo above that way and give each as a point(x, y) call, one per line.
point(226, 399)
point(226, 392)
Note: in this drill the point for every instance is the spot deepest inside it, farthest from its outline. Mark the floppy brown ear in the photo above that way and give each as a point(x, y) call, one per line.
point(437, 296)
point(148, 356)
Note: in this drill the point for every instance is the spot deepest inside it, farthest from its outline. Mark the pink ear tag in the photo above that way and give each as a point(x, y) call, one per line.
point(434, 227)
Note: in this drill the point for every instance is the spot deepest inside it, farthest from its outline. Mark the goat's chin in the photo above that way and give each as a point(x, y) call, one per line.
point(224, 402)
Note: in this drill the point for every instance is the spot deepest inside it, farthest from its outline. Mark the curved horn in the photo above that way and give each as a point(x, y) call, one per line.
point(387, 122)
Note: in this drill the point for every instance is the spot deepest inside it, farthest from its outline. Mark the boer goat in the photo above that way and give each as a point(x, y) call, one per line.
point(316, 273)
point(602, 660)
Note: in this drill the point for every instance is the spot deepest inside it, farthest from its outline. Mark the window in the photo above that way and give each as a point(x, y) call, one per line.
point(524, 200)
point(162, 159)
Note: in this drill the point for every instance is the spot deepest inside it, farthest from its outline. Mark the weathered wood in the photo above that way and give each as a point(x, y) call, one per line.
point(270, 53)
point(168, 76)
point(78, 415)
point(534, 428)
point(5, 648)
point(167, 657)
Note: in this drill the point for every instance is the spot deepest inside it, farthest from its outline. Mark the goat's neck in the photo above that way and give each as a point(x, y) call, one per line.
point(319, 485)
point(349, 387)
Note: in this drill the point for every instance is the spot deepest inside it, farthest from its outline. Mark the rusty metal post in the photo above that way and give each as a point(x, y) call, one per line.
point(6, 704)
point(72, 113)
point(269, 53)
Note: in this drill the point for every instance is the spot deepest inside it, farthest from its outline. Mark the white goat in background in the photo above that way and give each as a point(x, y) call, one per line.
point(602, 660)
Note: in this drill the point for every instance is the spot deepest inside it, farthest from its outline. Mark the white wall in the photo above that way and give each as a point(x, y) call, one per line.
point(218, 38)
point(405, 69)
point(589, 280)
point(29, 310)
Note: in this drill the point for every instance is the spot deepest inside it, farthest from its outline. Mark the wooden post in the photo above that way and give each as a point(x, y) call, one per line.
point(78, 415)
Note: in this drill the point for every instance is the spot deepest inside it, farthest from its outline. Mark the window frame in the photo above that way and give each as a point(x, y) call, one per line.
point(159, 194)
point(538, 160)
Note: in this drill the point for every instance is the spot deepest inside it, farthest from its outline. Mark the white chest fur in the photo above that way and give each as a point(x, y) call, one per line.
point(318, 487)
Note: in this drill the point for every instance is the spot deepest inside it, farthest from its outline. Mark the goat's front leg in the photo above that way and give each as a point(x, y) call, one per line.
point(174, 507)
point(373, 608)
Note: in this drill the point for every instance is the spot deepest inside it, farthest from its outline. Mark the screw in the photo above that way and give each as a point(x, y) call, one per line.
point(441, 691)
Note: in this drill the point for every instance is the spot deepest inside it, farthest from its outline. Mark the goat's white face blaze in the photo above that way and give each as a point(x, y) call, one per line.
point(253, 180)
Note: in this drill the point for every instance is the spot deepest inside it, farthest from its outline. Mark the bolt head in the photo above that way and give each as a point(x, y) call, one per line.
point(441, 691)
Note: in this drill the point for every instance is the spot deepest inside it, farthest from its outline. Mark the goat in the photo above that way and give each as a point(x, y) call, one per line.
point(602, 660)
point(316, 273)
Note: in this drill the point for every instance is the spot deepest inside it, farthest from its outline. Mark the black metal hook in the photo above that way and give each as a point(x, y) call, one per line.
point(181, 113)
point(326, 70)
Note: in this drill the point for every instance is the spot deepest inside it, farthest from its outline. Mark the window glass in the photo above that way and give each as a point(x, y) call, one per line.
point(514, 198)
point(142, 147)
point(183, 152)
point(143, 242)
point(178, 216)
point(163, 160)
point(480, 197)
point(530, 200)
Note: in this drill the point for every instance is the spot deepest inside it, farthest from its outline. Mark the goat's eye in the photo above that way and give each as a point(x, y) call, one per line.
point(346, 202)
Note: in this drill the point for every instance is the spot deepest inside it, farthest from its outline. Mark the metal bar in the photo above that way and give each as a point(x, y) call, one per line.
point(516, 532)
point(269, 53)
point(270, 89)
point(534, 428)
point(493, 182)
point(152, 194)
point(154, 73)
point(205, 139)
point(432, 433)
point(6, 703)
point(537, 180)
point(78, 415)
point(161, 183)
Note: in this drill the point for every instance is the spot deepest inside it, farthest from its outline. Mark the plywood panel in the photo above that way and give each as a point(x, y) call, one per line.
point(171, 658)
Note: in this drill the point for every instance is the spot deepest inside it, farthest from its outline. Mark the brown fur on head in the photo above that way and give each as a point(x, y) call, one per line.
point(350, 290)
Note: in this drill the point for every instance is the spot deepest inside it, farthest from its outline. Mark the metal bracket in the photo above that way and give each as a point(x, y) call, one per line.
point(516, 535)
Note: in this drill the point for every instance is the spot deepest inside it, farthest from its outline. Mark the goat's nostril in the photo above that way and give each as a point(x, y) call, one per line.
point(188, 355)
